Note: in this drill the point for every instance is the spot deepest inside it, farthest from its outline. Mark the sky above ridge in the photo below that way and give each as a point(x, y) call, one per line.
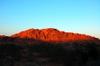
point(81, 16)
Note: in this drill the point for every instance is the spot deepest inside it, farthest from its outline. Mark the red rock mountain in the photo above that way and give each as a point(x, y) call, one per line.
point(2, 36)
point(51, 34)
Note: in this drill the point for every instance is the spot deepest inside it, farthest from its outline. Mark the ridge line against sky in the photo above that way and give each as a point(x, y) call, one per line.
point(80, 16)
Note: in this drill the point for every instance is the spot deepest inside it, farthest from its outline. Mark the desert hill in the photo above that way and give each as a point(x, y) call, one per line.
point(33, 36)
point(51, 34)
point(49, 47)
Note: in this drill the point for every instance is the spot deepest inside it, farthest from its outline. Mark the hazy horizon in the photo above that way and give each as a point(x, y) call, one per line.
point(78, 16)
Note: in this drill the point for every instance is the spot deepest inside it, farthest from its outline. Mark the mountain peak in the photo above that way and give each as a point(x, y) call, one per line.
point(31, 29)
point(50, 29)
point(51, 34)
point(44, 30)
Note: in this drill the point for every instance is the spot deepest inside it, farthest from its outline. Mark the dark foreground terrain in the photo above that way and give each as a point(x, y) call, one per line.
point(49, 47)
point(50, 55)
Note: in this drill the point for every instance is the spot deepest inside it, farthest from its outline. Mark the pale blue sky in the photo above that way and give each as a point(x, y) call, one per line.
point(81, 16)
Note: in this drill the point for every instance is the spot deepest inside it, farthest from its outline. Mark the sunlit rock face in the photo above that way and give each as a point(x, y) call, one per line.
point(51, 34)
point(49, 47)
